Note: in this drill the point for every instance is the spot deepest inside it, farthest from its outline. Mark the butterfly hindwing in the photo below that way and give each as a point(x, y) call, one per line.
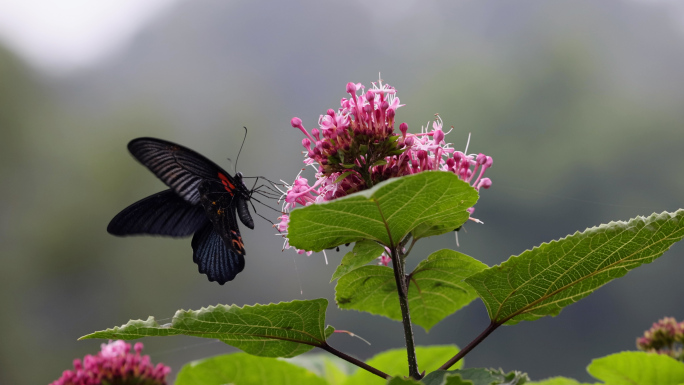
point(164, 213)
point(180, 168)
point(213, 258)
point(221, 208)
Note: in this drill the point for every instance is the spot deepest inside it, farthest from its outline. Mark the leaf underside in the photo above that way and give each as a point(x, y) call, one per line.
point(363, 253)
point(285, 329)
point(436, 288)
point(541, 281)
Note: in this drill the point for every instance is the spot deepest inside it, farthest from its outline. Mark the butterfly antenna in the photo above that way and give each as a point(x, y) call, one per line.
point(266, 179)
point(243, 143)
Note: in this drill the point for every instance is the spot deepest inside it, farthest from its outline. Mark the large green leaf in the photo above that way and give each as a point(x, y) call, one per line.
point(363, 253)
point(543, 280)
point(436, 288)
point(395, 363)
point(478, 376)
point(244, 369)
point(285, 329)
point(432, 202)
point(629, 368)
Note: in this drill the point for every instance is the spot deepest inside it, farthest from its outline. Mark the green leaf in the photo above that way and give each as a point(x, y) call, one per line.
point(641, 368)
point(455, 379)
point(401, 380)
point(433, 202)
point(363, 253)
point(395, 363)
point(334, 370)
point(478, 376)
point(559, 381)
point(543, 280)
point(380, 162)
point(243, 369)
point(285, 329)
point(436, 288)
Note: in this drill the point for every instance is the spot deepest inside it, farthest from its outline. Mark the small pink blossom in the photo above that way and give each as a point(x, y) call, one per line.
point(662, 338)
point(384, 260)
point(115, 364)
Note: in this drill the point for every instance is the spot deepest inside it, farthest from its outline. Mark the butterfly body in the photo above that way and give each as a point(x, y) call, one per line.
point(203, 200)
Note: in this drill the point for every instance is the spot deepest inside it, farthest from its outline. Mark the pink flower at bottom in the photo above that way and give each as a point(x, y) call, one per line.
point(115, 364)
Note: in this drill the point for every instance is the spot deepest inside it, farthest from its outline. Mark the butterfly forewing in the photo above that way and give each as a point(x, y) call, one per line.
point(164, 213)
point(178, 167)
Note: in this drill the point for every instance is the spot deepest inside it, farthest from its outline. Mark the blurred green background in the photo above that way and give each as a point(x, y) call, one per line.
point(580, 103)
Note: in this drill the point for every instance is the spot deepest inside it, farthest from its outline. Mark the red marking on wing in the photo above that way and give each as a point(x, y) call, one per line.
point(237, 242)
point(226, 183)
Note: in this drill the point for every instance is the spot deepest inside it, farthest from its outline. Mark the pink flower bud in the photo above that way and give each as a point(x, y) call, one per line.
point(438, 136)
point(485, 183)
point(306, 143)
point(351, 88)
point(403, 128)
point(481, 158)
point(331, 112)
point(296, 123)
point(390, 114)
point(316, 133)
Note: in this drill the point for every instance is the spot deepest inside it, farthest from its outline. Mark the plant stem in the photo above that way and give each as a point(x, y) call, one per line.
point(492, 326)
point(353, 360)
point(402, 288)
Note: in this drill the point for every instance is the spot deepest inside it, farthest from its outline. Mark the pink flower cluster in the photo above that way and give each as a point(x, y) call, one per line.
point(356, 147)
point(662, 337)
point(115, 365)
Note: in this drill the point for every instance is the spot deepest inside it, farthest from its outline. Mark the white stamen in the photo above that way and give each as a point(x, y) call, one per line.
point(467, 144)
point(326, 257)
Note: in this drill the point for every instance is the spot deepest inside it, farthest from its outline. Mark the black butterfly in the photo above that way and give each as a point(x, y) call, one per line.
point(203, 199)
